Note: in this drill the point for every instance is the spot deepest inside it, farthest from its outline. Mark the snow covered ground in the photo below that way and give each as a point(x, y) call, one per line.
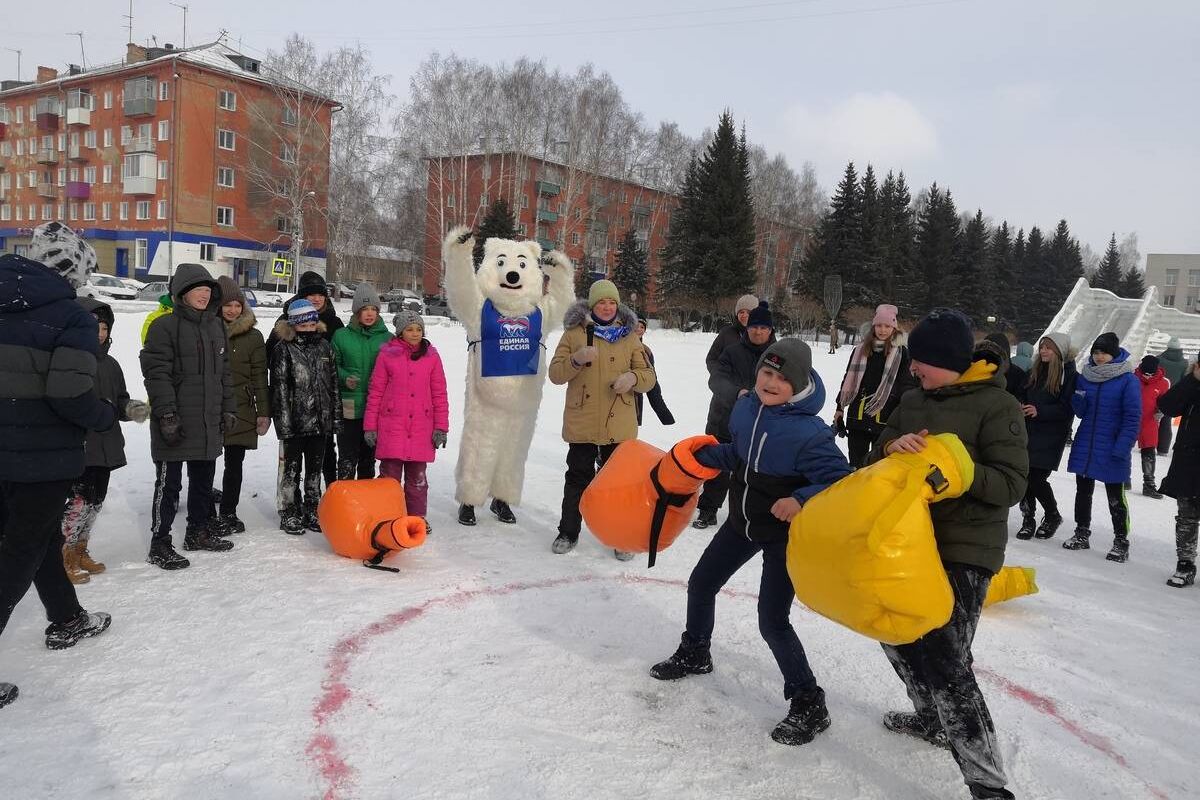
point(490, 668)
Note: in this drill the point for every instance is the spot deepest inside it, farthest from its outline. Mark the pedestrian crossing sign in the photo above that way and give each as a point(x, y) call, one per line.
point(281, 268)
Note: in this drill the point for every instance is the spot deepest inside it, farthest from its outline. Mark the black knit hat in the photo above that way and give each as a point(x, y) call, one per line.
point(761, 316)
point(1107, 343)
point(1149, 365)
point(943, 339)
point(311, 283)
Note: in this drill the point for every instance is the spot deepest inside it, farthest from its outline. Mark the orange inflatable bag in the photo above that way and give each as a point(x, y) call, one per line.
point(368, 519)
point(643, 498)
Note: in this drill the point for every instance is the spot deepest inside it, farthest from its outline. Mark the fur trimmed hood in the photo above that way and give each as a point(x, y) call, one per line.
point(243, 323)
point(286, 333)
point(579, 313)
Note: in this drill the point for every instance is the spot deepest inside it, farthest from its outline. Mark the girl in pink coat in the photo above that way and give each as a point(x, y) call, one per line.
point(407, 415)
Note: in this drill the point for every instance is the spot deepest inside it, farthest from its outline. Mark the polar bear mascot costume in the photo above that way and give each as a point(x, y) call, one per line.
point(507, 315)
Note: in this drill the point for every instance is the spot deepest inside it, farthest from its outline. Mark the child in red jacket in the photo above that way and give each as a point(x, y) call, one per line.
point(1154, 385)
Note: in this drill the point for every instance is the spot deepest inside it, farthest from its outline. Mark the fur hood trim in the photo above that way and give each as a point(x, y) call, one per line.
point(579, 313)
point(243, 323)
point(287, 333)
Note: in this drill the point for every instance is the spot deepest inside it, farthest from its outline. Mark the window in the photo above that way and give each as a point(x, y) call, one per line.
point(20, 216)
point(126, 135)
point(1169, 301)
point(20, 147)
point(47, 212)
point(73, 212)
point(574, 238)
point(143, 209)
point(62, 143)
point(163, 167)
point(143, 131)
point(20, 114)
point(483, 199)
point(32, 212)
point(226, 140)
point(1193, 278)
point(281, 224)
point(106, 211)
point(108, 99)
point(20, 180)
point(89, 211)
point(225, 216)
point(5, 212)
point(139, 165)
point(225, 177)
point(164, 130)
point(6, 181)
point(289, 115)
point(208, 251)
point(62, 211)
point(108, 173)
point(141, 250)
point(522, 229)
point(123, 211)
point(108, 140)
point(62, 176)
point(1172, 277)
point(449, 201)
point(74, 175)
point(524, 201)
point(89, 175)
point(227, 100)
point(287, 153)
point(164, 90)
point(89, 139)
point(578, 215)
point(162, 209)
point(47, 144)
point(74, 141)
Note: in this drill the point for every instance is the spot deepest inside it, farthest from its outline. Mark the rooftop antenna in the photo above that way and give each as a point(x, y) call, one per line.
point(18, 52)
point(129, 17)
point(82, 57)
point(185, 10)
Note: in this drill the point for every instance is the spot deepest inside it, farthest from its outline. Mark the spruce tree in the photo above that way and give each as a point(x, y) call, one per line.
point(630, 273)
point(1035, 275)
point(1132, 284)
point(835, 249)
point(676, 273)
point(977, 295)
point(498, 223)
point(1064, 263)
point(903, 284)
point(1006, 283)
point(1108, 274)
point(938, 232)
point(862, 286)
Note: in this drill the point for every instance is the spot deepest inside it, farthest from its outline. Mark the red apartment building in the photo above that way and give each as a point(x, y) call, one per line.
point(584, 214)
point(169, 156)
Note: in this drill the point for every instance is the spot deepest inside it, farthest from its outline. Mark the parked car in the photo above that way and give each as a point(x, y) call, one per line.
point(251, 297)
point(403, 299)
point(106, 287)
point(269, 299)
point(436, 307)
point(133, 283)
point(153, 290)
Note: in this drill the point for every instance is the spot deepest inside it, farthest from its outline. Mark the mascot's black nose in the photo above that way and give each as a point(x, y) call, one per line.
point(512, 278)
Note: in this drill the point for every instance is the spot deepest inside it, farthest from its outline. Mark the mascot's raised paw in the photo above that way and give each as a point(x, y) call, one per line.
point(557, 259)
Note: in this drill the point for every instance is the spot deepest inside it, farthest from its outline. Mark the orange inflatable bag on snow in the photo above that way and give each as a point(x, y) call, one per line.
point(643, 498)
point(368, 519)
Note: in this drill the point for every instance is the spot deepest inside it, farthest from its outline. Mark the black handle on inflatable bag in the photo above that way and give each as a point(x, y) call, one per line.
point(591, 334)
point(375, 562)
point(665, 500)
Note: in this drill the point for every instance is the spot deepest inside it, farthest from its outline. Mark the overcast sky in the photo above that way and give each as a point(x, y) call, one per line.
point(1032, 110)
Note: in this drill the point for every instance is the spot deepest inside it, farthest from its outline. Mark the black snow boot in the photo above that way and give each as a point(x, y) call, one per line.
point(688, 659)
point(1149, 489)
point(807, 717)
point(1080, 541)
point(503, 512)
point(8, 693)
point(311, 523)
point(466, 515)
point(163, 555)
point(1120, 550)
point(1185, 574)
point(912, 724)
point(227, 524)
point(201, 537)
point(563, 544)
point(292, 523)
point(1028, 521)
point(1049, 526)
point(705, 519)
point(981, 792)
point(61, 635)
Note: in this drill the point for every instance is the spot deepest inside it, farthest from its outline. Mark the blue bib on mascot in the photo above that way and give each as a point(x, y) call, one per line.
point(509, 346)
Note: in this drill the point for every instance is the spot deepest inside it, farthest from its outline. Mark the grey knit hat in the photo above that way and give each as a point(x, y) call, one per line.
point(365, 295)
point(406, 318)
point(791, 357)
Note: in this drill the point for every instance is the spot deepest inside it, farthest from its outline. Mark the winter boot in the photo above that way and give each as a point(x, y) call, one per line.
point(981, 792)
point(292, 523)
point(1028, 521)
point(564, 544)
point(1185, 574)
point(311, 523)
point(428, 527)
point(228, 524)
point(912, 724)
point(705, 519)
point(71, 564)
point(1120, 550)
point(503, 512)
point(199, 537)
point(163, 555)
point(807, 717)
point(85, 560)
point(466, 515)
point(688, 659)
point(8, 693)
point(1080, 540)
point(1149, 489)
point(1049, 526)
point(623, 555)
point(61, 635)
point(217, 496)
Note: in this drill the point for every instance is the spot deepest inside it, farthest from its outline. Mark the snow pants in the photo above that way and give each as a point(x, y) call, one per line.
point(356, 459)
point(411, 475)
point(725, 555)
point(582, 462)
point(938, 676)
point(305, 453)
point(1187, 523)
point(168, 482)
point(231, 478)
point(859, 443)
point(31, 549)
point(1118, 508)
point(84, 504)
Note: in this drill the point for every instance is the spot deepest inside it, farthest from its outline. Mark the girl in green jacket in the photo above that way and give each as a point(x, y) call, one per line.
point(355, 349)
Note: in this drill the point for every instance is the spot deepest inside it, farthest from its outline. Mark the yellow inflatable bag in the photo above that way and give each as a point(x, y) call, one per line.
point(862, 552)
point(1011, 582)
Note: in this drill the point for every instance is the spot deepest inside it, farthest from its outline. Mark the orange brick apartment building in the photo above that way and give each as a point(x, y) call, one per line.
point(169, 156)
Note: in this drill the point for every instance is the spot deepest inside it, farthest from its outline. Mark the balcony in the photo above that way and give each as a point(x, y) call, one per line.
point(49, 114)
point(78, 190)
point(546, 215)
point(598, 199)
point(547, 188)
point(140, 144)
point(47, 156)
point(545, 243)
point(48, 190)
point(139, 184)
point(79, 104)
point(76, 153)
point(139, 97)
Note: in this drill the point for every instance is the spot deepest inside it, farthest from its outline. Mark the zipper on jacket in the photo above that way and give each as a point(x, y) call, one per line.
point(746, 471)
point(1095, 424)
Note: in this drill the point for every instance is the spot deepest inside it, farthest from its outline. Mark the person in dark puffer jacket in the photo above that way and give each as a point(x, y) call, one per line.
point(781, 455)
point(104, 451)
point(48, 401)
point(1046, 405)
point(654, 396)
point(185, 365)
point(1175, 366)
point(1183, 477)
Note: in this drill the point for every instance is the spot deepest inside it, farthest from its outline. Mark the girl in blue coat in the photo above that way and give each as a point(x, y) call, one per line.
point(782, 454)
point(1109, 401)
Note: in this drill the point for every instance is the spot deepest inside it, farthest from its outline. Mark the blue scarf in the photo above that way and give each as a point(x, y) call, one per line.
point(609, 331)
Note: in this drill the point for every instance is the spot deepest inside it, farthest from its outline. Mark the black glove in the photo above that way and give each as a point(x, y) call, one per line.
point(229, 421)
point(839, 427)
point(171, 429)
point(439, 439)
point(371, 438)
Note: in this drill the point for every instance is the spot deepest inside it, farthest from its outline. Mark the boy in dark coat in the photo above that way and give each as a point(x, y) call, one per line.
point(1183, 478)
point(185, 365)
point(963, 391)
point(304, 398)
point(782, 454)
point(103, 451)
point(48, 400)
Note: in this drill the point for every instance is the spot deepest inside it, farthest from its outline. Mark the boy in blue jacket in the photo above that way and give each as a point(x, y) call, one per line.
point(781, 455)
